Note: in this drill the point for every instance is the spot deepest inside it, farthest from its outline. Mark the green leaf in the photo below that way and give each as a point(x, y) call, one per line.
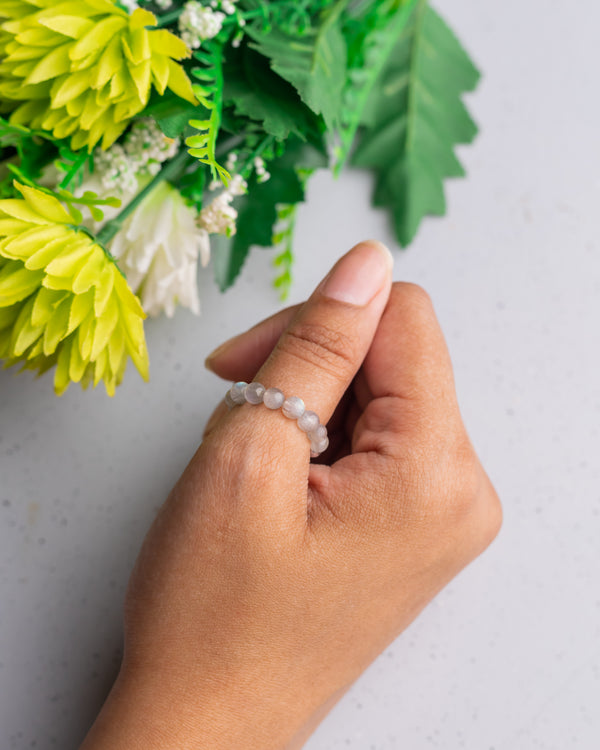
point(414, 119)
point(257, 210)
point(315, 63)
point(283, 240)
point(210, 96)
point(257, 92)
point(35, 148)
point(372, 31)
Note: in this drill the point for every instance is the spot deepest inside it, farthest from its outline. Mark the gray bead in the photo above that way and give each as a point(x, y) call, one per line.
point(273, 398)
point(238, 392)
point(293, 407)
point(254, 393)
point(229, 400)
point(318, 434)
point(308, 421)
point(320, 445)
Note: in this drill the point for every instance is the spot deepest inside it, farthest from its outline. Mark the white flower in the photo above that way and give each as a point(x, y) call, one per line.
point(143, 151)
point(228, 6)
point(148, 147)
point(129, 5)
point(238, 185)
point(164, 4)
point(199, 22)
point(115, 170)
point(157, 249)
point(219, 216)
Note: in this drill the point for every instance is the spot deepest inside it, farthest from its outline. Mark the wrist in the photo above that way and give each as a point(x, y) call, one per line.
point(141, 714)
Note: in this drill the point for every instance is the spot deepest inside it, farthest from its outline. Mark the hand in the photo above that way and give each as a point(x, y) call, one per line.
point(268, 582)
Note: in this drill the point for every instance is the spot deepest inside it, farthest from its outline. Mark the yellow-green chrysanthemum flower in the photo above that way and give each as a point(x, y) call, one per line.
point(83, 68)
point(63, 301)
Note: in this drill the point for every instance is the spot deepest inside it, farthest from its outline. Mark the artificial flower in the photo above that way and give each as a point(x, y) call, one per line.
point(144, 149)
point(84, 69)
point(158, 248)
point(63, 301)
point(199, 22)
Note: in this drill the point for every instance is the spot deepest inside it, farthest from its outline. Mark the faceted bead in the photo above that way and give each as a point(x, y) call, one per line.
point(293, 407)
point(229, 400)
point(320, 445)
point(273, 398)
point(318, 434)
point(238, 392)
point(308, 421)
point(254, 393)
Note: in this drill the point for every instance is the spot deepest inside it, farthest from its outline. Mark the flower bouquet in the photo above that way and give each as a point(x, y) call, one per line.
point(138, 139)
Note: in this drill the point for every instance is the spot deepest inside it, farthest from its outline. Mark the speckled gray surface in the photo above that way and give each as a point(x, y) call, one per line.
point(508, 657)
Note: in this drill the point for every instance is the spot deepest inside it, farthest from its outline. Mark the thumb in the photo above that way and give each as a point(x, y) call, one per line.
point(322, 348)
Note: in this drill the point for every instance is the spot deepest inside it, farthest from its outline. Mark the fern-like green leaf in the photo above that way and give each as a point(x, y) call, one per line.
point(414, 119)
point(210, 95)
point(283, 240)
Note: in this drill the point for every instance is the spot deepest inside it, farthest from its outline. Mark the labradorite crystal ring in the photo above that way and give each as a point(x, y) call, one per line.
point(292, 407)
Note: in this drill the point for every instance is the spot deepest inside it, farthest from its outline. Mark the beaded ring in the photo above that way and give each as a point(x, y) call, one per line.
point(292, 407)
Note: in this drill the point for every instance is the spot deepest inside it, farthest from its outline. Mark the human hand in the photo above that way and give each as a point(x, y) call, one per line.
point(268, 582)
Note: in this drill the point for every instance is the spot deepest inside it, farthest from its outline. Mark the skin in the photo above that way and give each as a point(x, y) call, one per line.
point(269, 582)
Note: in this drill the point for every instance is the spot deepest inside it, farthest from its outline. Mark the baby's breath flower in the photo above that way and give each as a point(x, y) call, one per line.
point(148, 147)
point(219, 216)
point(116, 170)
point(228, 6)
point(199, 22)
point(232, 158)
point(237, 185)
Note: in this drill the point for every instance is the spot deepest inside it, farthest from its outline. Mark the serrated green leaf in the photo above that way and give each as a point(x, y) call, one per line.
point(257, 211)
point(257, 92)
point(414, 119)
point(315, 63)
point(372, 29)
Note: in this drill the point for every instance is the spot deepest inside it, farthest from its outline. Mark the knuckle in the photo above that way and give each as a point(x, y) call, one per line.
point(413, 295)
point(239, 457)
point(321, 346)
point(474, 506)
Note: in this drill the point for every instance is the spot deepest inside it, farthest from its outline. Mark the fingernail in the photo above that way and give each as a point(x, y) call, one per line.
point(359, 275)
point(218, 352)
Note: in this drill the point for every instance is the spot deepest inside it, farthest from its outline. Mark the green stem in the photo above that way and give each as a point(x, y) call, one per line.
point(169, 18)
point(171, 171)
point(265, 143)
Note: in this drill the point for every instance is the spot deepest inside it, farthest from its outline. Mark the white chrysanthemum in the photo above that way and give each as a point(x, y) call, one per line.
point(129, 5)
point(157, 249)
point(199, 22)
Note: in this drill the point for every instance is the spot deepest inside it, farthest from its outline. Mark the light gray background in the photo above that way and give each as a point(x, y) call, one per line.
point(508, 656)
